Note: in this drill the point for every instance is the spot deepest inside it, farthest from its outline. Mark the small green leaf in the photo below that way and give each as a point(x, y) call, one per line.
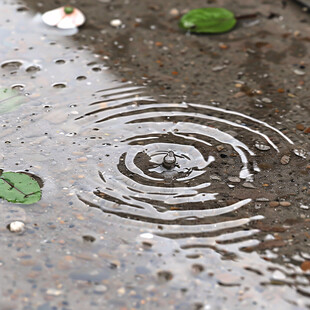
point(10, 100)
point(208, 20)
point(18, 187)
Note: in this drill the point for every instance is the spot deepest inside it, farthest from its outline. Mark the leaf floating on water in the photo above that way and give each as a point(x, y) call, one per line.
point(65, 17)
point(208, 20)
point(10, 100)
point(18, 187)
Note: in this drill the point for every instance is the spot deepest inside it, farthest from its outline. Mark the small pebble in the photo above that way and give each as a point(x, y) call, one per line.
point(274, 204)
point(300, 127)
point(299, 72)
point(218, 68)
point(82, 159)
point(147, 235)
point(285, 159)
point(262, 199)
point(16, 227)
point(220, 147)
point(115, 23)
point(100, 288)
point(248, 185)
point(285, 203)
point(215, 177)
point(304, 207)
point(234, 179)
point(266, 100)
point(278, 275)
point(53, 292)
point(174, 12)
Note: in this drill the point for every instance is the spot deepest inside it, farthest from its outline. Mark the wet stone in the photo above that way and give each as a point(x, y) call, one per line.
point(164, 276)
point(99, 289)
point(274, 204)
point(220, 147)
point(300, 127)
point(115, 23)
point(234, 179)
point(248, 185)
point(53, 292)
point(266, 100)
point(285, 203)
point(16, 227)
point(82, 160)
point(299, 72)
point(278, 276)
point(215, 177)
point(218, 68)
point(285, 159)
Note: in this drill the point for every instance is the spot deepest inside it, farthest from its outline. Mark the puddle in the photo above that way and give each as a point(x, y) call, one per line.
point(118, 224)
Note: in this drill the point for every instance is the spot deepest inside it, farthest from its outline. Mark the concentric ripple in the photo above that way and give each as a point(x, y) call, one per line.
point(215, 151)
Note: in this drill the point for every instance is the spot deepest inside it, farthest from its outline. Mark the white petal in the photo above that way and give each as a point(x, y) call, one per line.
point(78, 17)
point(66, 23)
point(53, 17)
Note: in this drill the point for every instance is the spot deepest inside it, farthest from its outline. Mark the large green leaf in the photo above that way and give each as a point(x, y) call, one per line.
point(18, 187)
point(10, 99)
point(208, 20)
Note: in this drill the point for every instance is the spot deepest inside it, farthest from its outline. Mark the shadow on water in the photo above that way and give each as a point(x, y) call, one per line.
point(199, 234)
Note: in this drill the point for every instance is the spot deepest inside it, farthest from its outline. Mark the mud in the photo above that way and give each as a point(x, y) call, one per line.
point(117, 230)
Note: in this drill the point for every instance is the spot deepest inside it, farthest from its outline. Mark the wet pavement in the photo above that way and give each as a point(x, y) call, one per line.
point(175, 166)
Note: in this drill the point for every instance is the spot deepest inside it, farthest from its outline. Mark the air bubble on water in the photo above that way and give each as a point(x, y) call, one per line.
point(19, 87)
point(81, 78)
point(59, 85)
point(33, 68)
point(11, 64)
point(60, 61)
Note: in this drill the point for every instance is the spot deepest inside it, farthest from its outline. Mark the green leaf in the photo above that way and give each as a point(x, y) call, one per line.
point(18, 187)
point(10, 100)
point(208, 20)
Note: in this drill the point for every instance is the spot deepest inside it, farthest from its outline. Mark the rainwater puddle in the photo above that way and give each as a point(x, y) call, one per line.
point(196, 234)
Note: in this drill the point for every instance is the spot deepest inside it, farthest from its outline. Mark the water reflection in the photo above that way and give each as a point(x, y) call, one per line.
point(104, 142)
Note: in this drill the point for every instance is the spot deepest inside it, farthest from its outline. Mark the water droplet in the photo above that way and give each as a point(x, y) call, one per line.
point(81, 78)
point(261, 146)
point(300, 153)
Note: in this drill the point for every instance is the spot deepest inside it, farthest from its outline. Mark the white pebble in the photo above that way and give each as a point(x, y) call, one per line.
point(299, 72)
point(53, 292)
point(278, 276)
point(17, 226)
point(115, 23)
point(147, 235)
